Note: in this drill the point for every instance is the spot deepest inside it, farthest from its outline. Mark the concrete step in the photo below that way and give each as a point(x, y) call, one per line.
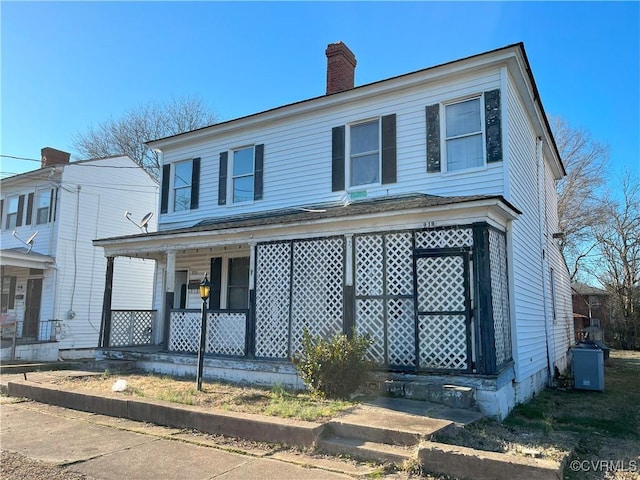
point(367, 450)
point(373, 423)
point(455, 396)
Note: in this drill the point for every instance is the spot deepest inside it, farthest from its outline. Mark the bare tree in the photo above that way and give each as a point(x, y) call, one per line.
point(618, 268)
point(579, 204)
point(143, 122)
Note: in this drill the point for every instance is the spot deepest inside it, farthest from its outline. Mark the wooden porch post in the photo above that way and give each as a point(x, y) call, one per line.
point(348, 317)
point(105, 324)
point(250, 340)
point(484, 305)
point(170, 285)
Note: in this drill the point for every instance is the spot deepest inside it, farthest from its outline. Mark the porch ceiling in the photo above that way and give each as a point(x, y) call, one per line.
point(254, 227)
point(21, 257)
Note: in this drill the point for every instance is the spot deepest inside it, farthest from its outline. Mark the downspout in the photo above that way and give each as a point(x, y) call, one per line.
point(543, 260)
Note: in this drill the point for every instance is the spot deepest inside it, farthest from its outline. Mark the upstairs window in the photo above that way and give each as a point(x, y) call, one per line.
point(464, 135)
point(182, 180)
point(365, 154)
point(182, 186)
point(242, 175)
point(12, 212)
point(43, 205)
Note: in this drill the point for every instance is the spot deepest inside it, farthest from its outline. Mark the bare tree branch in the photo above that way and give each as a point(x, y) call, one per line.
point(141, 123)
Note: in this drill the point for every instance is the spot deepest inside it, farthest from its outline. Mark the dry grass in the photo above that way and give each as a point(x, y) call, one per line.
point(226, 396)
point(596, 426)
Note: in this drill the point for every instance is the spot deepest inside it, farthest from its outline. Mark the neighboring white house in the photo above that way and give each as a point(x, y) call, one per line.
point(420, 210)
point(52, 275)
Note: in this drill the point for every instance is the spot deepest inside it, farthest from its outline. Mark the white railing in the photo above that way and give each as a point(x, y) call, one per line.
point(132, 328)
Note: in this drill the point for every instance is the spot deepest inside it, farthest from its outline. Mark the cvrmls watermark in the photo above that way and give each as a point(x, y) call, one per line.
point(604, 466)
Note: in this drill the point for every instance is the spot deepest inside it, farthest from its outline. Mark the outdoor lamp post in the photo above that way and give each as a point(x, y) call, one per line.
point(205, 290)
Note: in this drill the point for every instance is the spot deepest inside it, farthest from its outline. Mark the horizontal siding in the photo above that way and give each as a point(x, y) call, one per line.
point(97, 211)
point(529, 322)
point(297, 154)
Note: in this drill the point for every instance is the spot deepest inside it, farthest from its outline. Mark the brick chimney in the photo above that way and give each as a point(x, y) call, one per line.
point(341, 67)
point(51, 156)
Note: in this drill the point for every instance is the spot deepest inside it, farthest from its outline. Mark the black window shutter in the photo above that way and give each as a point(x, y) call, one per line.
point(1, 211)
point(337, 158)
point(216, 282)
point(195, 183)
point(53, 202)
point(12, 293)
point(222, 179)
point(493, 127)
point(433, 138)
point(29, 208)
point(20, 210)
point(164, 196)
point(389, 169)
point(258, 173)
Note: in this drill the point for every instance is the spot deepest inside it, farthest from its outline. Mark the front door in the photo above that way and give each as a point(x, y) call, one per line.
point(443, 304)
point(32, 310)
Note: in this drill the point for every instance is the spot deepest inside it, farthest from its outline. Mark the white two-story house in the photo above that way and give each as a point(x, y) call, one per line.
point(419, 210)
point(52, 276)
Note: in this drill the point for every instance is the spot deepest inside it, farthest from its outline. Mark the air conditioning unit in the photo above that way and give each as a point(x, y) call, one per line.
point(587, 364)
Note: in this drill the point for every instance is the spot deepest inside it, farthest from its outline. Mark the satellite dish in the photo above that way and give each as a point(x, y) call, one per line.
point(143, 223)
point(29, 242)
point(31, 238)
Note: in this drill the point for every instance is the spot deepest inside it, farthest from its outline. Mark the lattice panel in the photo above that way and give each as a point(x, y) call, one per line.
point(399, 263)
point(317, 289)
point(401, 332)
point(440, 284)
point(120, 329)
point(447, 238)
point(184, 331)
point(500, 296)
point(226, 333)
point(273, 291)
point(370, 321)
point(443, 342)
point(131, 327)
point(368, 271)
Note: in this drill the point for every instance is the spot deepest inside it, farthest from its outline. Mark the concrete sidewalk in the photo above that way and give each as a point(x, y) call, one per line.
point(113, 449)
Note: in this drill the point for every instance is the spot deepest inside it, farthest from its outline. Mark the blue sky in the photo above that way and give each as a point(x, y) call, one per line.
point(68, 65)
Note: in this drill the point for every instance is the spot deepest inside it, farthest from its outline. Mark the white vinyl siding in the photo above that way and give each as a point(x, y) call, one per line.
point(297, 170)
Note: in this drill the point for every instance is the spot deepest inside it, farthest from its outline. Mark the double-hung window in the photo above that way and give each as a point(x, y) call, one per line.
point(43, 204)
point(364, 153)
point(12, 212)
point(238, 283)
point(182, 186)
point(463, 133)
point(242, 175)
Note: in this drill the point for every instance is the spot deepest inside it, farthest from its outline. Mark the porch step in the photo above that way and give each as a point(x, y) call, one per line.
point(109, 365)
point(366, 450)
point(454, 396)
point(377, 422)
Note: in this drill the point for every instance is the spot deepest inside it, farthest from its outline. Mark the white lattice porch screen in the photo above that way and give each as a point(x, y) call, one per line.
point(317, 289)
point(500, 296)
point(273, 295)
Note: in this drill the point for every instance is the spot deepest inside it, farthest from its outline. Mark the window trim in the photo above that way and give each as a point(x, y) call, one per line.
point(349, 156)
point(231, 177)
point(10, 212)
point(173, 189)
point(46, 193)
point(444, 139)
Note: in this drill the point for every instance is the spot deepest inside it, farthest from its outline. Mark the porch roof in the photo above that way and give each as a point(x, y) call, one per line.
point(312, 214)
point(22, 257)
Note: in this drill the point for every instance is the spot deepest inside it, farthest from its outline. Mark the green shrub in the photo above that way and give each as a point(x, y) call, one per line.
point(333, 368)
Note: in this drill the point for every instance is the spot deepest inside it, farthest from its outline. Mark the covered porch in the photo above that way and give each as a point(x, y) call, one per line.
point(426, 278)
